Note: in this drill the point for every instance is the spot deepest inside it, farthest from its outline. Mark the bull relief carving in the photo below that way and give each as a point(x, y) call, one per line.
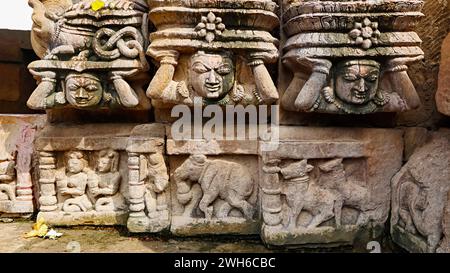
point(351, 57)
point(92, 57)
point(216, 50)
point(214, 191)
point(316, 195)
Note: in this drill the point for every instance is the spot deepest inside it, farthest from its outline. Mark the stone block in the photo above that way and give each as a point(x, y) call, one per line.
point(326, 186)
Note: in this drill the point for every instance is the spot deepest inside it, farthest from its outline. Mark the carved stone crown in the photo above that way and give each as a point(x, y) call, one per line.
point(352, 28)
point(188, 26)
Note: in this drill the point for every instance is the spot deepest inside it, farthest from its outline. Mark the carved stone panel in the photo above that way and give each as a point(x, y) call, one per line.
point(83, 174)
point(216, 50)
point(149, 188)
point(214, 187)
point(327, 187)
point(92, 56)
point(17, 134)
point(419, 199)
point(350, 57)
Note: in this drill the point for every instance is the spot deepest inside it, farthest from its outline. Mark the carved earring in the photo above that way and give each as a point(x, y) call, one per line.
point(237, 93)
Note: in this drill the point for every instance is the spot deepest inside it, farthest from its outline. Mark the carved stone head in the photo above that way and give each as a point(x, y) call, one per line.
point(75, 162)
point(83, 90)
point(211, 75)
point(356, 81)
point(108, 161)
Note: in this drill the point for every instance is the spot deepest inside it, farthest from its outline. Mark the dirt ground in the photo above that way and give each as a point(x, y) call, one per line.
point(117, 240)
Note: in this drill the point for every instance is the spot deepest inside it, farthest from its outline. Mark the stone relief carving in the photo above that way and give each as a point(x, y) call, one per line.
point(322, 196)
point(154, 172)
point(104, 185)
point(83, 189)
point(92, 58)
point(351, 57)
point(420, 196)
point(327, 190)
point(214, 50)
point(16, 152)
point(215, 189)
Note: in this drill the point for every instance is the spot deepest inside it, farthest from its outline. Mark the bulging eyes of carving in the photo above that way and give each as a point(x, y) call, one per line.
point(224, 69)
point(73, 87)
point(350, 77)
point(91, 88)
point(200, 68)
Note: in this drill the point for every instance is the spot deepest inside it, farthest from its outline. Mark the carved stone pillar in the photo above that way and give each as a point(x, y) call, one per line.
point(47, 182)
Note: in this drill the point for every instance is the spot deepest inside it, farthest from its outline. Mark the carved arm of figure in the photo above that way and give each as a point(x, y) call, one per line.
point(264, 83)
point(310, 92)
point(111, 189)
point(47, 85)
point(397, 75)
point(310, 88)
point(164, 76)
point(127, 95)
point(80, 186)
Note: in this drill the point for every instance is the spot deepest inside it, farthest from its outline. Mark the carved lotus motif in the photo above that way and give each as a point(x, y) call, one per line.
point(365, 34)
point(210, 27)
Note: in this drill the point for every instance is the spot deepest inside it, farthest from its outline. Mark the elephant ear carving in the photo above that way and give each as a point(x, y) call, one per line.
point(45, 14)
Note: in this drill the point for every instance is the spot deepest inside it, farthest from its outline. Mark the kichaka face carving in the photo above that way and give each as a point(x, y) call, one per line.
point(83, 90)
point(356, 81)
point(211, 75)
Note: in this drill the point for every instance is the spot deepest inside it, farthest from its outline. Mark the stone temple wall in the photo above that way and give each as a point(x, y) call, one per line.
point(342, 119)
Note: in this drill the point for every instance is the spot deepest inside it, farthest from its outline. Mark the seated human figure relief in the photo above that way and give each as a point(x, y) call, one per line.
point(72, 182)
point(215, 189)
point(105, 184)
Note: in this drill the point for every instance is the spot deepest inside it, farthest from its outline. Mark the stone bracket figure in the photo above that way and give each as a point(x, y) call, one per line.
point(81, 41)
point(370, 88)
point(361, 70)
point(245, 46)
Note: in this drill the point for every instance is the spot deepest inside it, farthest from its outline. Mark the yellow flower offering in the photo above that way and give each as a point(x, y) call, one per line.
point(97, 5)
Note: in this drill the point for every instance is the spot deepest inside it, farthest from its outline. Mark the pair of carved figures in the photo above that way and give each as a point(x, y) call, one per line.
point(83, 189)
point(322, 196)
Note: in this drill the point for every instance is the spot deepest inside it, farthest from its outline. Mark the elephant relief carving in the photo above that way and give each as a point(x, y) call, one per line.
point(218, 188)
